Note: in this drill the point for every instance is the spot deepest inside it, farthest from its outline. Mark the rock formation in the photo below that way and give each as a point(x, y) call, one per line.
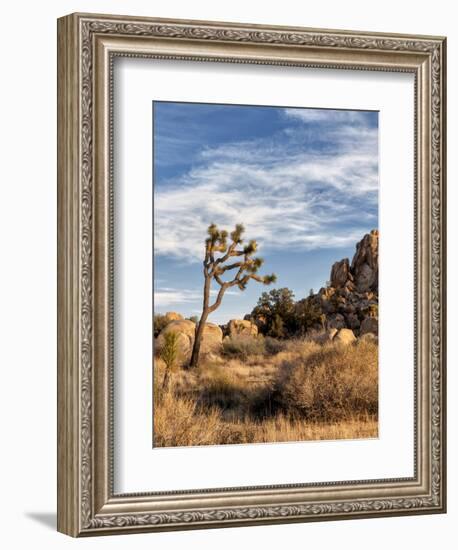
point(340, 274)
point(173, 316)
point(364, 265)
point(351, 299)
point(324, 337)
point(369, 325)
point(239, 327)
point(211, 340)
point(345, 336)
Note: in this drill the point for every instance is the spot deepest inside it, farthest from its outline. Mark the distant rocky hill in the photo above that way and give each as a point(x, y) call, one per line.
point(350, 300)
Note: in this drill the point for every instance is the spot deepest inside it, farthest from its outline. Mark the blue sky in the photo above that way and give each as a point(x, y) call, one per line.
point(304, 182)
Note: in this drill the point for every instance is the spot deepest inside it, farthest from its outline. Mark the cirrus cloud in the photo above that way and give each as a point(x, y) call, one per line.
point(313, 185)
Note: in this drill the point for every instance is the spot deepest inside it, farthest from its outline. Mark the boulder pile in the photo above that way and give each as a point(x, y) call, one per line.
point(212, 338)
point(241, 327)
point(350, 300)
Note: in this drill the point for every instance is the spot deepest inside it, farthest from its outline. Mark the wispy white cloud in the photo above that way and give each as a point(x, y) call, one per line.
point(165, 297)
point(288, 193)
point(214, 292)
point(329, 116)
point(168, 297)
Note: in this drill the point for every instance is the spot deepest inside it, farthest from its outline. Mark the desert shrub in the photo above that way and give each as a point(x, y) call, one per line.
point(302, 346)
point(333, 383)
point(274, 345)
point(218, 387)
point(243, 346)
point(159, 322)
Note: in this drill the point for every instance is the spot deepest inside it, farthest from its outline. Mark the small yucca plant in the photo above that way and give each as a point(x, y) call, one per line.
point(169, 354)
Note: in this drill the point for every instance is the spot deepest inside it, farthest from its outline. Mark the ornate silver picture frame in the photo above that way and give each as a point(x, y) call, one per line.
point(88, 44)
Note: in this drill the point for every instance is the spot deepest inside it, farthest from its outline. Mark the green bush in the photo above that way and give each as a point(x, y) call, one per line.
point(279, 316)
point(277, 329)
point(306, 316)
point(273, 311)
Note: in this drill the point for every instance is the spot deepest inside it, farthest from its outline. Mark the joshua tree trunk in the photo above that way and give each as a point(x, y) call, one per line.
point(215, 267)
point(201, 324)
point(197, 341)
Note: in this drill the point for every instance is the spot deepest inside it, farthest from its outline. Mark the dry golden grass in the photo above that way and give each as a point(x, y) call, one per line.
point(281, 428)
point(306, 391)
point(178, 422)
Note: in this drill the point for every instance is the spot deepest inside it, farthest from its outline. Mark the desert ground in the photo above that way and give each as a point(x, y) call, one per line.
point(261, 389)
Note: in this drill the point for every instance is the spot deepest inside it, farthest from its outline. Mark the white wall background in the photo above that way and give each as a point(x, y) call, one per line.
point(28, 273)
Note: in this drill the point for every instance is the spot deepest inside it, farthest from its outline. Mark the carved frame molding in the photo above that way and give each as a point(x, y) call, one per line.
point(87, 46)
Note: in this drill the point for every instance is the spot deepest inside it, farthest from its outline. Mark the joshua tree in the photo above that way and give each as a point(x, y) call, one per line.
point(215, 267)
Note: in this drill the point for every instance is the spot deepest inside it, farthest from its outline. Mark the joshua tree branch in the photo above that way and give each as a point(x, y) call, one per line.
point(230, 252)
point(255, 277)
point(219, 298)
point(229, 267)
point(218, 280)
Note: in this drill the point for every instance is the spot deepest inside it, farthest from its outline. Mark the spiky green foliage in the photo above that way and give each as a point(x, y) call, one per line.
point(169, 351)
point(269, 279)
point(169, 354)
point(236, 235)
point(216, 240)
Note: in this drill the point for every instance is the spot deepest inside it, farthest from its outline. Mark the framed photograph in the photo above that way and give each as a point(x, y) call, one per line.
point(251, 291)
